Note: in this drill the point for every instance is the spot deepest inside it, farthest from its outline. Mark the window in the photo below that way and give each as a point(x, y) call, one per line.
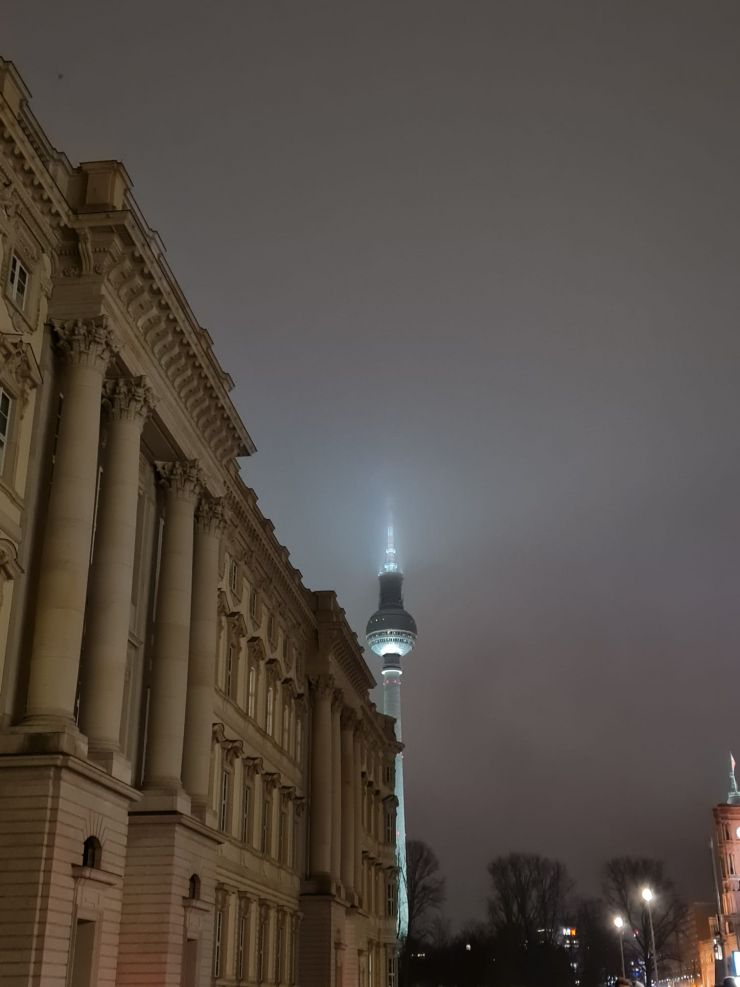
point(5, 407)
point(229, 676)
point(293, 951)
point(270, 713)
point(251, 690)
point(266, 823)
point(279, 937)
point(261, 951)
point(218, 933)
point(223, 800)
point(285, 648)
point(299, 740)
point(246, 813)
point(194, 887)
point(389, 775)
point(391, 972)
point(390, 899)
point(731, 865)
point(241, 944)
point(253, 604)
point(271, 627)
point(286, 726)
point(18, 282)
point(282, 854)
point(91, 852)
point(390, 828)
point(233, 576)
point(294, 843)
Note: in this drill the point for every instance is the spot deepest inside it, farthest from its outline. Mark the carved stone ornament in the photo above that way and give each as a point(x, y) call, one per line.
point(349, 718)
point(209, 515)
point(232, 748)
point(323, 686)
point(19, 366)
point(337, 700)
point(128, 399)
point(9, 565)
point(270, 780)
point(84, 342)
point(287, 792)
point(237, 627)
point(256, 649)
point(181, 478)
point(299, 806)
point(253, 765)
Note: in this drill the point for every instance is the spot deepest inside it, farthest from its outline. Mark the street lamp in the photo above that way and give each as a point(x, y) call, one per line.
point(619, 923)
point(647, 897)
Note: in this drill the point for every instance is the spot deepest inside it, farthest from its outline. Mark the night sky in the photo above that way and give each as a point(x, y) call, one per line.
point(482, 258)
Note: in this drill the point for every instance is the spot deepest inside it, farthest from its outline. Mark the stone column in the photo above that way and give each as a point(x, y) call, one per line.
point(172, 628)
point(336, 786)
point(203, 643)
point(86, 349)
point(321, 777)
point(128, 402)
point(349, 722)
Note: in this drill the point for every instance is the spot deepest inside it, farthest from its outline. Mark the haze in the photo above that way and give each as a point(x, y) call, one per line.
point(481, 258)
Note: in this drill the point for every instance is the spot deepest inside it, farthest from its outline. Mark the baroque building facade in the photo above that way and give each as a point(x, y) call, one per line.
point(195, 786)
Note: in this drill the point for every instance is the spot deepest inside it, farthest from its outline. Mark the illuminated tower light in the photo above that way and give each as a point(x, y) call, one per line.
point(391, 634)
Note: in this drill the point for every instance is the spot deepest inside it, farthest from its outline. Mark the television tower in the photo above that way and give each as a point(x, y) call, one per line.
point(391, 634)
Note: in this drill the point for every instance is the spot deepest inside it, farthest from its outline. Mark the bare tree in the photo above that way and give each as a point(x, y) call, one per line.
point(425, 888)
point(623, 879)
point(528, 899)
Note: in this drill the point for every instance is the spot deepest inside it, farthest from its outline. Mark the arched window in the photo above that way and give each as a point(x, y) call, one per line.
point(194, 887)
point(91, 852)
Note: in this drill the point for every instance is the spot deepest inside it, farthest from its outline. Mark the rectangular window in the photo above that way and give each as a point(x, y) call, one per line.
point(223, 801)
point(218, 933)
point(251, 690)
point(279, 951)
point(247, 814)
point(266, 824)
point(233, 576)
point(294, 843)
point(283, 833)
point(391, 976)
point(390, 828)
point(229, 676)
point(390, 899)
point(270, 713)
point(18, 282)
point(286, 727)
point(241, 945)
point(253, 604)
point(261, 951)
point(5, 409)
point(299, 740)
point(731, 865)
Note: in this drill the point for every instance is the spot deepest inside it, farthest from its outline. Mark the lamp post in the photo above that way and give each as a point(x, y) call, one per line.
point(647, 897)
point(619, 924)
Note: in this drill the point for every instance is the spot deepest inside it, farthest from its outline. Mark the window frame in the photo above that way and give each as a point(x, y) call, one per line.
point(19, 297)
point(6, 436)
point(224, 800)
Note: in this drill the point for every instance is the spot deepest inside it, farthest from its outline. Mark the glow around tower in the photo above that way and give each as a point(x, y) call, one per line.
point(391, 634)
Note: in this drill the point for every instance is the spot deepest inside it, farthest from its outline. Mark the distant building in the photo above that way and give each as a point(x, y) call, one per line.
point(726, 863)
point(193, 780)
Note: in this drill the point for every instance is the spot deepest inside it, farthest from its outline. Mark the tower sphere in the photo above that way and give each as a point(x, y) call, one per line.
point(391, 630)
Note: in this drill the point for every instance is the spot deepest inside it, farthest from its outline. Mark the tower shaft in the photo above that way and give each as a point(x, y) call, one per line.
point(392, 707)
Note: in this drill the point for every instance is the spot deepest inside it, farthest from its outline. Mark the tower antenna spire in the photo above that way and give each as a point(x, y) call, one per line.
point(391, 558)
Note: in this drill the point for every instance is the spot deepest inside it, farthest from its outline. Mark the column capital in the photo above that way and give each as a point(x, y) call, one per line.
point(210, 516)
point(182, 478)
point(323, 686)
point(85, 342)
point(349, 719)
point(337, 700)
point(299, 804)
point(128, 399)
